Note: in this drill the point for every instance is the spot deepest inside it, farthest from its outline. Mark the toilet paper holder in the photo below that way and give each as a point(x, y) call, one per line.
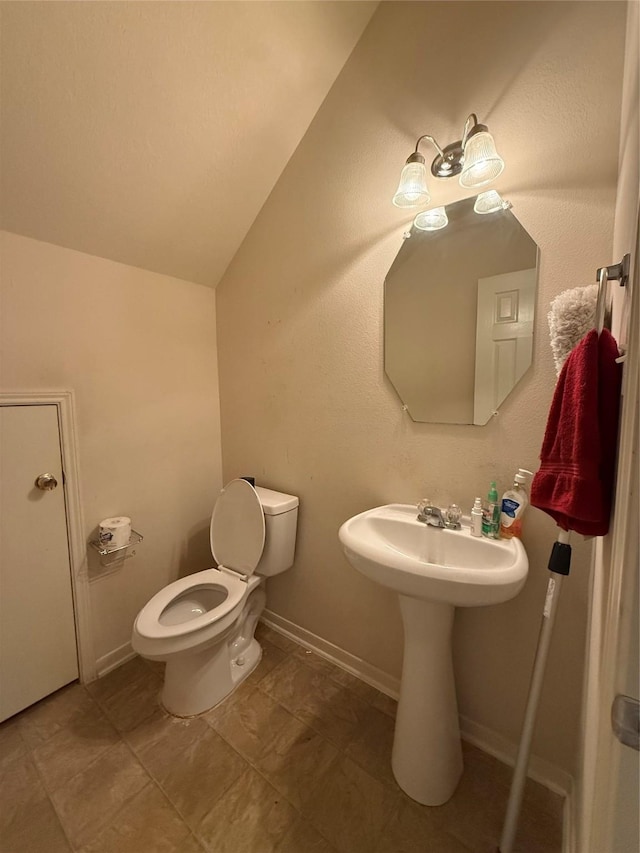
point(134, 539)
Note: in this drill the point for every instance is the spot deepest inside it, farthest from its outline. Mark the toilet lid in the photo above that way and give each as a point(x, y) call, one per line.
point(237, 528)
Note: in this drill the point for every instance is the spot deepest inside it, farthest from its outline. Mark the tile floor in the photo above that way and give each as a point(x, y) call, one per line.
point(297, 760)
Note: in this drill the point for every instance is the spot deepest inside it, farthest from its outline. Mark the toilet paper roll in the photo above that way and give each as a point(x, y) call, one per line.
point(115, 532)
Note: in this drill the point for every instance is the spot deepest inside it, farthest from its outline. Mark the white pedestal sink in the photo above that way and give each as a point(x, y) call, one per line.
point(433, 570)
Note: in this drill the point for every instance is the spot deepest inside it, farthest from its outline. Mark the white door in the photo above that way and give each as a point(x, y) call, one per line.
point(37, 629)
point(504, 338)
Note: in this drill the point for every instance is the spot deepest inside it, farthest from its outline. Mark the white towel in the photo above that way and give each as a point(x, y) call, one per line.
point(572, 315)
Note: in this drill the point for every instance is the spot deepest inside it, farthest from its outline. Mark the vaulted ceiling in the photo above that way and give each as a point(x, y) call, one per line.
point(151, 133)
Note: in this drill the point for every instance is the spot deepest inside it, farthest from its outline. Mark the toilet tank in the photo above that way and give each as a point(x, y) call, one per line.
point(281, 519)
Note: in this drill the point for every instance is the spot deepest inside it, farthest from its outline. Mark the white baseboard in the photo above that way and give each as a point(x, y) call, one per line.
point(114, 659)
point(547, 774)
point(540, 770)
point(366, 672)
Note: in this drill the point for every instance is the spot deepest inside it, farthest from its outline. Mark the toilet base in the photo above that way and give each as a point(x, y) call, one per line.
point(196, 681)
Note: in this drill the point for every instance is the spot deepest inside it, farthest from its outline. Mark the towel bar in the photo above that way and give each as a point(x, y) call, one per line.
point(617, 272)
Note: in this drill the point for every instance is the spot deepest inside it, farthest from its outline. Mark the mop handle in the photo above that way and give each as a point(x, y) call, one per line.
point(554, 586)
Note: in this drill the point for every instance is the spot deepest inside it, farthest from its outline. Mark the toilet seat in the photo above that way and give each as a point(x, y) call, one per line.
point(237, 534)
point(153, 638)
point(237, 530)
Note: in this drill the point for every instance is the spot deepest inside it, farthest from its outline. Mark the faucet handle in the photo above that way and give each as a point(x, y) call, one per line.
point(424, 505)
point(453, 515)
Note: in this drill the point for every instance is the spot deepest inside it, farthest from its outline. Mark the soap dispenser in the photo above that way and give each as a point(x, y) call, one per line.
point(514, 502)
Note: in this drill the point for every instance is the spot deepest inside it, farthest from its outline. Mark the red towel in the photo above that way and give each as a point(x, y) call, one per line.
point(575, 481)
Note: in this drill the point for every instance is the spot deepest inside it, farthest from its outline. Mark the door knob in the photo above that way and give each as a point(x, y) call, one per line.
point(46, 482)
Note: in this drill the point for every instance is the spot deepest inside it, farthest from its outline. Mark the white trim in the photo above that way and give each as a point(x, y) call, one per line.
point(619, 568)
point(366, 672)
point(114, 659)
point(64, 401)
point(544, 772)
point(540, 770)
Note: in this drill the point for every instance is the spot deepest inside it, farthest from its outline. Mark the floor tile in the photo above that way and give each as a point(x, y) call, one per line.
point(290, 683)
point(475, 813)
point(362, 690)
point(42, 720)
point(190, 845)
point(539, 829)
point(133, 701)
point(411, 830)
point(237, 695)
point(114, 681)
point(89, 802)
point(372, 743)
point(385, 704)
point(12, 744)
point(349, 807)
point(170, 734)
point(335, 713)
point(147, 823)
point(330, 709)
point(156, 666)
point(315, 661)
point(34, 830)
point(315, 776)
point(271, 657)
point(303, 838)
point(251, 817)
point(295, 759)
point(193, 772)
point(264, 632)
point(249, 721)
point(20, 789)
point(74, 747)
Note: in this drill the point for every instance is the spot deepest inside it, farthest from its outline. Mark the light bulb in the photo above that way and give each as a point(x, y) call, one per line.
point(412, 190)
point(482, 163)
point(431, 220)
point(489, 202)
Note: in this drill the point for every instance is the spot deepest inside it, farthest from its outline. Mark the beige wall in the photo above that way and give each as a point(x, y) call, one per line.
point(152, 133)
point(139, 351)
point(305, 403)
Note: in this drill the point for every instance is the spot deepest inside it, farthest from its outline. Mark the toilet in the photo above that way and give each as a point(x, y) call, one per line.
point(203, 625)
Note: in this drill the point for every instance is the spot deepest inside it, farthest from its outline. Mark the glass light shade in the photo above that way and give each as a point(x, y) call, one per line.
point(412, 190)
point(489, 202)
point(482, 163)
point(431, 220)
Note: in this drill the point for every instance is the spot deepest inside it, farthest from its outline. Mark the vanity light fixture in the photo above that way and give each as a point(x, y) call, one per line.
point(412, 190)
point(474, 158)
point(431, 220)
point(490, 202)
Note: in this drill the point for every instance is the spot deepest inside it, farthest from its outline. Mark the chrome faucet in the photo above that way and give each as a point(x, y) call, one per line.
point(433, 516)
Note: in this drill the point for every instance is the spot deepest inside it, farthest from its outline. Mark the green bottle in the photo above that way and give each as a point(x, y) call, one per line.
point(491, 514)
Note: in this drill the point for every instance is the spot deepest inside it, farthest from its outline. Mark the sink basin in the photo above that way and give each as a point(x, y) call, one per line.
point(433, 570)
point(389, 545)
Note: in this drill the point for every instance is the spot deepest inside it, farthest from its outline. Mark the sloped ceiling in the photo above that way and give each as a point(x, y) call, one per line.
point(151, 133)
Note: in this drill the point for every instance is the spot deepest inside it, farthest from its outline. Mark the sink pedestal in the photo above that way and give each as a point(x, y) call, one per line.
point(427, 754)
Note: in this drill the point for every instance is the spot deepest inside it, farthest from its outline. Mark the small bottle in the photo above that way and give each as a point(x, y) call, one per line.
point(514, 502)
point(476, 518)
point(491, 514)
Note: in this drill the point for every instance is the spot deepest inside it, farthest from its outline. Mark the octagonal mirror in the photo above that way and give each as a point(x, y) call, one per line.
point(459, 309)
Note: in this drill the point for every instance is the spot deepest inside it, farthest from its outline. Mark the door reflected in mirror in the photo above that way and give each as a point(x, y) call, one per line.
point(459, 309)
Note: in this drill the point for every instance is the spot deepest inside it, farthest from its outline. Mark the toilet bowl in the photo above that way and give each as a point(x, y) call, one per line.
point(203, 625)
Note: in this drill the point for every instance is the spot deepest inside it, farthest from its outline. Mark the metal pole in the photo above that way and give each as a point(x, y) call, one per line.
point(520, 771)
